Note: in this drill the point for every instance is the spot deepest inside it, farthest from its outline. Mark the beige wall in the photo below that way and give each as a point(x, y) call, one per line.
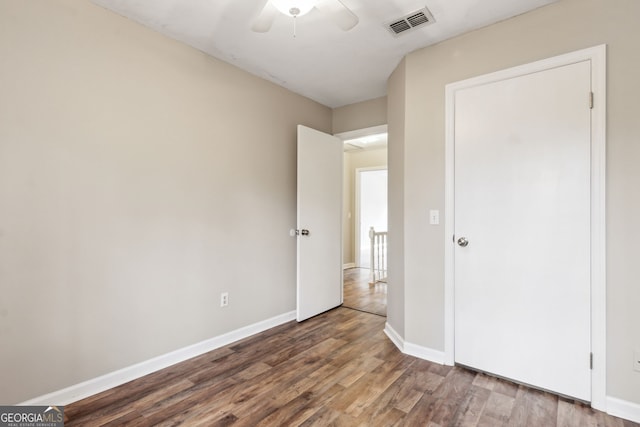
point(139, 179)
point(559, 28)
point(360, 115)
point(354, 160)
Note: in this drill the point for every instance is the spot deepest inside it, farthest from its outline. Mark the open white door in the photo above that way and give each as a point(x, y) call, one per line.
point(319, 282)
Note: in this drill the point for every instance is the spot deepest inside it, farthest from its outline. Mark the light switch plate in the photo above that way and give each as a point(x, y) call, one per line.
point(434, 217)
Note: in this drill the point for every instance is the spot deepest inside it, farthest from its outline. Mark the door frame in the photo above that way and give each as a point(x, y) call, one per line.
point(597, 56)
point(356, 227)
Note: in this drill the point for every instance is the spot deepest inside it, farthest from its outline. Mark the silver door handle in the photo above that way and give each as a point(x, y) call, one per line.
point(463, 242)
point(304, 232)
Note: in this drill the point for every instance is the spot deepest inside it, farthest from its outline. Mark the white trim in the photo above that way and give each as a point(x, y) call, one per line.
point(449, 230)
point(348, 265)
point(597, 56)
point(623, 409)
point(395, 337)
point(359, 133)
point(113, 379)
point(414, 350)
point(424, 353)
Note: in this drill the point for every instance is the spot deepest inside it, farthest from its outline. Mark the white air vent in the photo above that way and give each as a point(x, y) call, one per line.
point(413, 20)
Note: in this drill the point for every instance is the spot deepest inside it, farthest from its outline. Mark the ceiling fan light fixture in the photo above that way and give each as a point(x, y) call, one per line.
point(294, 8)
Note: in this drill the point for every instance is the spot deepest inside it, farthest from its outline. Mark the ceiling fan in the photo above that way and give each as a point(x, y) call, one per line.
point(335, 10)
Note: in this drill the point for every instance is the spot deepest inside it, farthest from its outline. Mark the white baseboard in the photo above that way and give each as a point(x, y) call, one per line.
point(395, 337)
point(425, 353)
point(113, 379)
point(415, 350)
point(348, 265)
point(623, 409)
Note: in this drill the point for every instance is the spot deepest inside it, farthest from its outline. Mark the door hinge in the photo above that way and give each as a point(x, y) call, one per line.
point(591, 361)
point(591, 100)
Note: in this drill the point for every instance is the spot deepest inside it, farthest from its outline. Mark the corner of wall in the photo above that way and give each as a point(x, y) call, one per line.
point(396, 99)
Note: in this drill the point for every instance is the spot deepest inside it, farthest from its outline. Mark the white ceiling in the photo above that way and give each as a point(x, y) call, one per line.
point(324, 63)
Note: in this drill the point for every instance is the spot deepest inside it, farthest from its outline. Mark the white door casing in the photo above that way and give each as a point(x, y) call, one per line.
point(371, 209)
point(319, 199)
point(544, 206)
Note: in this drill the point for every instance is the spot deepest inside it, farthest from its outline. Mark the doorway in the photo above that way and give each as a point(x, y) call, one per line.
point(364, 150)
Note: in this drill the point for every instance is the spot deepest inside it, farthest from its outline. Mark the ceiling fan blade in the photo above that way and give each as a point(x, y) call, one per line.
point(340, 14)
point(265, 19)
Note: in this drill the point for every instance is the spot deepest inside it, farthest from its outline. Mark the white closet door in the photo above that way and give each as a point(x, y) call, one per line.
point(522, 202)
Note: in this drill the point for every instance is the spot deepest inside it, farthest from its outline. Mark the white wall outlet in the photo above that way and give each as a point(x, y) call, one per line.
point(224, 299)
point(636, 361)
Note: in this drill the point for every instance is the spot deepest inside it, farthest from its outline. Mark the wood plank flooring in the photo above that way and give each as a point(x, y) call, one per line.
point(335, 369)
point(359, 295)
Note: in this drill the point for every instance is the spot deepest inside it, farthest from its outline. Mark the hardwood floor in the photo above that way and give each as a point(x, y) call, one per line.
point(359, 295)
point(334, 369)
